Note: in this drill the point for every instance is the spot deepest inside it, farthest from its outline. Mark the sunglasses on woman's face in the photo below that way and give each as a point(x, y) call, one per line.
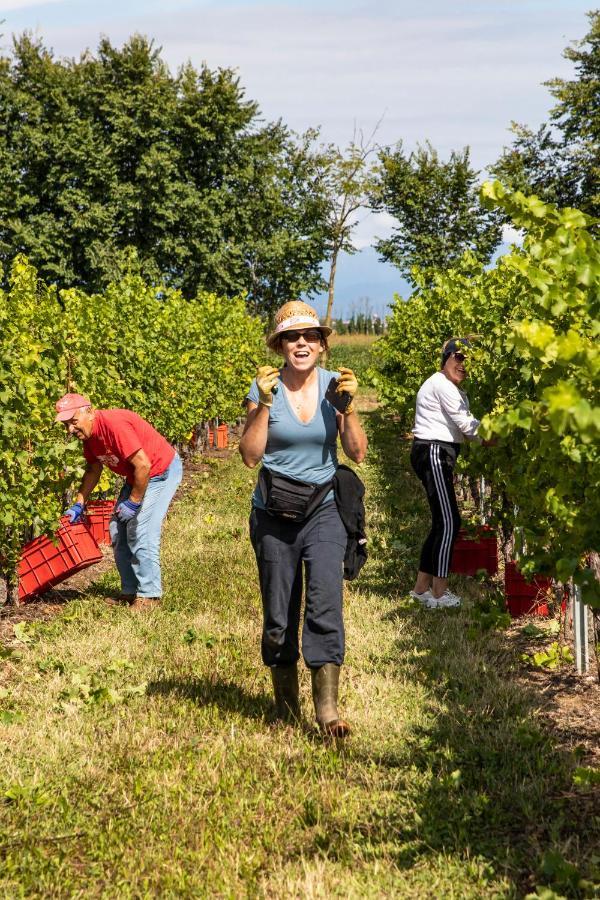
point(459, 357)
point(311, 336)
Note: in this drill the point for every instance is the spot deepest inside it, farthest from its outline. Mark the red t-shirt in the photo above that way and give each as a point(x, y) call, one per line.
point(118, 434)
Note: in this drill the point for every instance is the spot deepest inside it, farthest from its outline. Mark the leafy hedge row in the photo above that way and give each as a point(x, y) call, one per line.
point(176, 362)
point(534, 373)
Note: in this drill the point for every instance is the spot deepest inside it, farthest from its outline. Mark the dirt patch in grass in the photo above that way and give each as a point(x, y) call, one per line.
point(572, 705)
point(51, 603)
point(570, 702)
point(36, 610)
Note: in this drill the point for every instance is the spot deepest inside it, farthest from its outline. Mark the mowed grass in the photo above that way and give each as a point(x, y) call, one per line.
point(141, 760)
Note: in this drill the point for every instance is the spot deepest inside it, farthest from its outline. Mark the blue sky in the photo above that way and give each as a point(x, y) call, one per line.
point(453, 73)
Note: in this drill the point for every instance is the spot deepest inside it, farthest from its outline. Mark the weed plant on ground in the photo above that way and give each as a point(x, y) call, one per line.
point(140, 759)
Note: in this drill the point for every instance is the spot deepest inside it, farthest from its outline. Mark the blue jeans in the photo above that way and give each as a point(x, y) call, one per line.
point(136, 543)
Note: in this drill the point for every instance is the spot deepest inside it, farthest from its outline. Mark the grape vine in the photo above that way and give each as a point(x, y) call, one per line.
point(534, 377)
point(176, 362)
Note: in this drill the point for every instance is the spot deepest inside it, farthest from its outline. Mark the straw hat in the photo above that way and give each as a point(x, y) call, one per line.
point(292, 315)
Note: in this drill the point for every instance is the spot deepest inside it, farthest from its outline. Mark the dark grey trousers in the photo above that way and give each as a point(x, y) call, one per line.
point(282, 550)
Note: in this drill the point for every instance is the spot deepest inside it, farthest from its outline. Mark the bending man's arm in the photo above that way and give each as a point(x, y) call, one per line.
point(90, 479)
point(141, 475)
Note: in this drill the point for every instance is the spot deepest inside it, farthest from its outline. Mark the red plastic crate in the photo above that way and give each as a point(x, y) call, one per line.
point(99, 514)
point(525, 598)
point(222, 437)
point(471, 554)
point(44, 564)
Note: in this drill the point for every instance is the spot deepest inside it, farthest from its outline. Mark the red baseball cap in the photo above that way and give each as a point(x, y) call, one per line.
point(68, 405)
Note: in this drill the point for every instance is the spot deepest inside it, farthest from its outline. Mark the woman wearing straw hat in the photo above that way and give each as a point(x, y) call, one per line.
point(294, 417)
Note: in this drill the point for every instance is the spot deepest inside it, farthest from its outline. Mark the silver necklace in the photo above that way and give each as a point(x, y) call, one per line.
point(298, 404)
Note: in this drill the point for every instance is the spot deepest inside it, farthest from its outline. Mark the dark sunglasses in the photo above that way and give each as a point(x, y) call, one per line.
point(311, 336)
point(459, 356)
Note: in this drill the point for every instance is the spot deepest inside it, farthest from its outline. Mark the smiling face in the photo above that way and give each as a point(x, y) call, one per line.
point(301, 348)
point(455, 368)
point(81, 423)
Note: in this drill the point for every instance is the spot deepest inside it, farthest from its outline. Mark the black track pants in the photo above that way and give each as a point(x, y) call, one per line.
point(433, 462)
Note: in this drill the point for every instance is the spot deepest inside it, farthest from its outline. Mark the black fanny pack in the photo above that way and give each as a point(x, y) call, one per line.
point(289, 499)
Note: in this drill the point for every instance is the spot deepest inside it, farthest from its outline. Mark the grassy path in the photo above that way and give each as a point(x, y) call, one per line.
point(138, 759)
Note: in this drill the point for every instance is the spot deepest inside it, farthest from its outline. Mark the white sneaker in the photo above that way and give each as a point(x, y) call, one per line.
point(448, 600)
point(424, 598)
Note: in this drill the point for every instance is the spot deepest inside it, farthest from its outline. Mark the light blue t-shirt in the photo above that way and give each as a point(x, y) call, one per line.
point(305, 451)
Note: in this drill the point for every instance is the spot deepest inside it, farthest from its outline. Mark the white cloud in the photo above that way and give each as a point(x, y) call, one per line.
point(372, 226)
point(454, 78)
point(11, 5)
point(512, 235)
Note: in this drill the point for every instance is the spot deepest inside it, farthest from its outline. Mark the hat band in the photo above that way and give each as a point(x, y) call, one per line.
point(296, 320)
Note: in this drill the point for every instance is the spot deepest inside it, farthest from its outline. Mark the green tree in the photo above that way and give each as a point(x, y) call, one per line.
point(436, 205)
point(561, 161)
point(112, 151)
point(282, 213)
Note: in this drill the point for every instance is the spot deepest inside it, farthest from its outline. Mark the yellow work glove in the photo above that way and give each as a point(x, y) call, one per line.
point(266, 379)
point(349, 383)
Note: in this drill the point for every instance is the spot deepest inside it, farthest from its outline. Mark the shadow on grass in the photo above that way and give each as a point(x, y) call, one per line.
point(226, 695)
point(493, 786)
point(230, 697)
point(92, 590)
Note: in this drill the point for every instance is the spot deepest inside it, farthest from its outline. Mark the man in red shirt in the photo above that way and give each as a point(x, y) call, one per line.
point(129, 446)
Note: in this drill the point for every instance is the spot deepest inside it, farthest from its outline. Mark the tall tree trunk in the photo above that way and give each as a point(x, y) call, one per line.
point(331, 288)
point(12, 590)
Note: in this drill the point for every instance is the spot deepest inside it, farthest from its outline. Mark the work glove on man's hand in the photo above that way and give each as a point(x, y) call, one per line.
point(266, 379)
point(349, 383)
point(74, 513)
point(126, 510)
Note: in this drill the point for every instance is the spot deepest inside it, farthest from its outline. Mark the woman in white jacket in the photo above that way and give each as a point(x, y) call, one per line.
point(442, 422)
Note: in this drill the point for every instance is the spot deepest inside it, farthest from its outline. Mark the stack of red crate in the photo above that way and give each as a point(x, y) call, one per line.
point(473, 553)
point(525, 597)
point(222, 432)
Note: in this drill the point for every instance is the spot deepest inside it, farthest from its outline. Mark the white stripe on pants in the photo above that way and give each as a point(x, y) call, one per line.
point(442, 492)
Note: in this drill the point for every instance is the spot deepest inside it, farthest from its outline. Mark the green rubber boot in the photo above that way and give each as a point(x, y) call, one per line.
point(325, 681)
point(287, 693)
